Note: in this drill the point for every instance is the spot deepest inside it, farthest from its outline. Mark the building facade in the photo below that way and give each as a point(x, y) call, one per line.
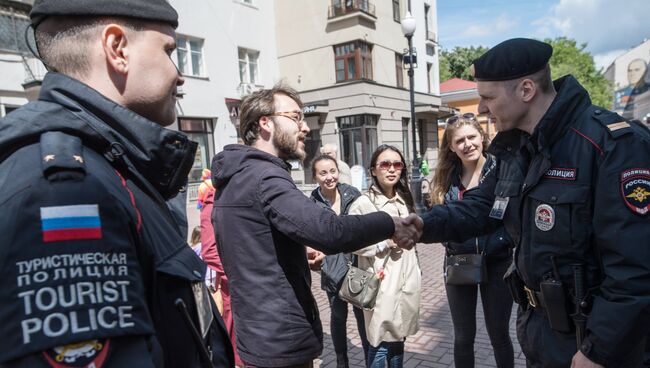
point(345, 57)
point(630, 75)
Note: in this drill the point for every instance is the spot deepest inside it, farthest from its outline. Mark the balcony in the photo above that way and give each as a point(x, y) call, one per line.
point(342, 8)
point(431, 37)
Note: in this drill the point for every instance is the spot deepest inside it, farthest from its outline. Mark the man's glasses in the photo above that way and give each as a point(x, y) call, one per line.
point(297, 116)
point(455, 118)
point(385, 165)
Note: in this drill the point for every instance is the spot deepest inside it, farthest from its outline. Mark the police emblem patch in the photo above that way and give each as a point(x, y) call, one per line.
point(85, 354)
point(635, 189)
point(544, 217)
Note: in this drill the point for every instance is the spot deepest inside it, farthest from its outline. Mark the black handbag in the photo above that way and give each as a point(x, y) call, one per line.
point(360, 287)
point(466, 269)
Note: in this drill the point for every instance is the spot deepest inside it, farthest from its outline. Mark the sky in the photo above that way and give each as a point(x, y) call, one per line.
point(609, 27)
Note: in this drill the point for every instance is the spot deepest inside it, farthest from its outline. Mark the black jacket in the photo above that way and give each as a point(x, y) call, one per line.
point(497, 244)
point(335, 266)
point(579, 190)
point(262, 222)
point(85, 181)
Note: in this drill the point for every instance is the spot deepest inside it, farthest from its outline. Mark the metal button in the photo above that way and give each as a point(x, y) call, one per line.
point(598, 112)
point(524, 186)
point(553, 198)
point(508, 148)
point(196, 273)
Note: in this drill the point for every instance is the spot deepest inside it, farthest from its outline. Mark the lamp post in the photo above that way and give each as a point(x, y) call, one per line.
point(408, 28)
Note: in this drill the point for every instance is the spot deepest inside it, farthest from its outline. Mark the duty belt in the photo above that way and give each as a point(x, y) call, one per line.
point(535, 299)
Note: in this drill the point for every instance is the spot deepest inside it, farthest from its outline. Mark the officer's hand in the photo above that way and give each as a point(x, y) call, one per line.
point(314, 258)
point(407, 231)
point(581, 361)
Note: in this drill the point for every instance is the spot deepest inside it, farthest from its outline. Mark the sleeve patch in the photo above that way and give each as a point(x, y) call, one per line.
point(85, 354)
point(635, 189)
point(76, 222)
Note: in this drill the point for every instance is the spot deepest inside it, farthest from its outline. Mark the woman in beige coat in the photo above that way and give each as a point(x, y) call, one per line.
point(396, 312)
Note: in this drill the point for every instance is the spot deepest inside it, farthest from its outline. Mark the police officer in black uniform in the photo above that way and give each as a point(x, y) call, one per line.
point(94, 269)
point(572, 187)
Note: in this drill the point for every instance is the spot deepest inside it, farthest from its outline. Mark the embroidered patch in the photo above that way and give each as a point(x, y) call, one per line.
point(84, 354)
point(544, 217)
point(76, 222)
point(561, 173)
point(635, 188)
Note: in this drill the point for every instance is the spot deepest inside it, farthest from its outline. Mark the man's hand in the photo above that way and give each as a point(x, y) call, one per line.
point(407, 231)
point(314, 258)
point(581, 361)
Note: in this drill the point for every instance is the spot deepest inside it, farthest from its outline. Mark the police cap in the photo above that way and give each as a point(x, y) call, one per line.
point(512, 59)
point(151, 10)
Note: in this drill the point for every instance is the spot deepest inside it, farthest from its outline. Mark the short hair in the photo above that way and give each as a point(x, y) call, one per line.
point(258, 104)
point(64, 45)
point(331, 146)
point(542, 79)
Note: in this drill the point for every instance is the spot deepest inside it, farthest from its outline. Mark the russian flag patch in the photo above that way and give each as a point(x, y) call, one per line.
point(76, 222)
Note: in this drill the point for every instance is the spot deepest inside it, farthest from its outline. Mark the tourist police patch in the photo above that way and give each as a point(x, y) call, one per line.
point(84, 354)
point(635, 189)
point(544, 217)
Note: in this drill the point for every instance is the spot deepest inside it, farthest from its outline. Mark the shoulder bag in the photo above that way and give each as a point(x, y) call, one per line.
point(466, 269)
point(360, 287)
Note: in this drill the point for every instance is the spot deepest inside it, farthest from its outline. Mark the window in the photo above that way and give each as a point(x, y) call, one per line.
point(427, 9)
point(200, 131)
point(248, 66)
point(358, 135)
point(429, 67)
point(405, 139)
point(353, 61)
point(399, 70)
point(189, 52)
point(396, 15)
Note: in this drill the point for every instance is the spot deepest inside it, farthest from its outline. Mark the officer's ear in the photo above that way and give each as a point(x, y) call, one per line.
point(115, 46)
point(527, 89)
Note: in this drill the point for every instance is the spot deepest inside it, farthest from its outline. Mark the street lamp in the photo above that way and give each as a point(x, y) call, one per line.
point(408, 28)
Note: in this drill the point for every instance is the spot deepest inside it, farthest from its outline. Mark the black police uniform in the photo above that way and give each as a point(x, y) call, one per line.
point(94, 269)
point(576, 191)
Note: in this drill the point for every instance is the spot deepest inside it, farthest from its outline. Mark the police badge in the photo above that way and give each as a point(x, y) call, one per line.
point(635, 189)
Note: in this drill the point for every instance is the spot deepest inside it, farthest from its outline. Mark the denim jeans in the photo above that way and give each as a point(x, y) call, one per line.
point(338, 325)
point(497, 307)
point(387, 352)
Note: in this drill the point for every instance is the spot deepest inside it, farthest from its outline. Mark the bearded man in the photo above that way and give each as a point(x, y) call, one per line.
point(262, 223)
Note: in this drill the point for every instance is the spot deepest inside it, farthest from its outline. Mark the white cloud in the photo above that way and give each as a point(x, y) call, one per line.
point(605, 25)
point(501, 24)
point(603, 60)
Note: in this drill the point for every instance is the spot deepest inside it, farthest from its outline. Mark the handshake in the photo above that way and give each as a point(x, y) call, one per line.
point(408, 231)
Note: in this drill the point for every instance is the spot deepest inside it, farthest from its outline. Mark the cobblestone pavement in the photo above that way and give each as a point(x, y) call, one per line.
point(432, 346)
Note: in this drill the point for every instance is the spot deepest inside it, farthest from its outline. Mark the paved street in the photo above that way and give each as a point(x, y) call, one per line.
point(432, 346)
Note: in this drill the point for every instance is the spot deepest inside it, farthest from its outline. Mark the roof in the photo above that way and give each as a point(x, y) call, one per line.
point(456, 84)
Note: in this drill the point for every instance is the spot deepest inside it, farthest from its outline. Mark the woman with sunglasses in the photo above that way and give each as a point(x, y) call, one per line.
point(338, 197)
point(397, 307)
point(462, 162)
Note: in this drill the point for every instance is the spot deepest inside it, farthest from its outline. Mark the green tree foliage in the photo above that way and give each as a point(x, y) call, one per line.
point(571, 58)
point(455, 63)
point(568, 58)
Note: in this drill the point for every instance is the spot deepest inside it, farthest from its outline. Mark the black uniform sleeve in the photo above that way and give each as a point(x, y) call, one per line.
point(621, 222)
point(461, 220)
point(300, 218)
point(69, 269)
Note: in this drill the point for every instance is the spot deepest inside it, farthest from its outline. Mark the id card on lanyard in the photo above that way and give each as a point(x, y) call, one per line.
point(499, 207)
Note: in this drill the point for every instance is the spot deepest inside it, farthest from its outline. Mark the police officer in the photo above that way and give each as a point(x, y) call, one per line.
point(572, 187)
point(93, 267)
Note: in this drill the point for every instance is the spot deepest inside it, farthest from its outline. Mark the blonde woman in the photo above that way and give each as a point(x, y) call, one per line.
point(462, 162)
point(396, 312)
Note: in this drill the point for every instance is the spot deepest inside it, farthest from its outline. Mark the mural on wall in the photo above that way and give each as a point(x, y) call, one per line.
point(634, 99)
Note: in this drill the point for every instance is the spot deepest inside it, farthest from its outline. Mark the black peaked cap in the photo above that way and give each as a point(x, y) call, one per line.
point(511, 59)
point(150, 10)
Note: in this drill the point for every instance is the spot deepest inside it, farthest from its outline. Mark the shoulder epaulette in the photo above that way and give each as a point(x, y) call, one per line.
point(615, 124)
point(62, 156)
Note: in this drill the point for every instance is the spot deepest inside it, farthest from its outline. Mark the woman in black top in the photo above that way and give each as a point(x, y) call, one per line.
point(338, 197)
point(462, 162)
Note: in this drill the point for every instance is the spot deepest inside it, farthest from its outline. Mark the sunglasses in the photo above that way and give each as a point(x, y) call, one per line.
point(385, 165)
point(455, 118)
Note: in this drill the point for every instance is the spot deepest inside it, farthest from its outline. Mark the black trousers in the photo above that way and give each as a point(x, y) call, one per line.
point(547, 348)
point(497, 308)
